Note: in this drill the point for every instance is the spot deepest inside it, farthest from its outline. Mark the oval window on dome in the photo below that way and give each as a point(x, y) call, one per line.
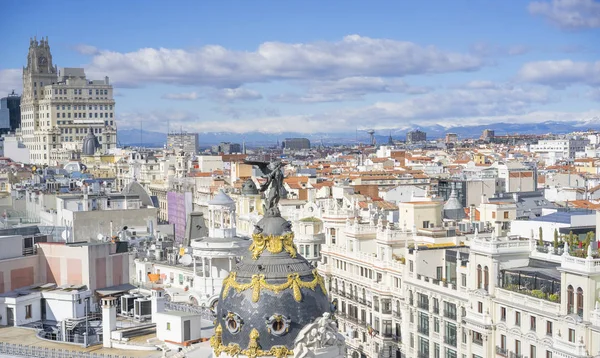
point(278, 325)
point(233, 322)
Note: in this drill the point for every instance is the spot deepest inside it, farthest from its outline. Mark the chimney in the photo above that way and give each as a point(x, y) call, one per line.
point(109, 320)
point(158, 302)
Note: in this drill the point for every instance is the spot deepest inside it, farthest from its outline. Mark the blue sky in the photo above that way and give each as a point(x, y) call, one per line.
point(315, 66)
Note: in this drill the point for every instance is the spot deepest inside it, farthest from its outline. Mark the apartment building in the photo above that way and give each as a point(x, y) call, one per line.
point(403, 293)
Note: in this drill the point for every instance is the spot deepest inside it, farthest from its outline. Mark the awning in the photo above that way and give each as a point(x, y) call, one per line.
point(109, 291)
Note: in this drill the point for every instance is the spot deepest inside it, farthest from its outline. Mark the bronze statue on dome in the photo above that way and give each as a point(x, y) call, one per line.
point(273, 173)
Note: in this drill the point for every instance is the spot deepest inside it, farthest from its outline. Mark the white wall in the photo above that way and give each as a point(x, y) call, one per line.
point(60, 306)
point(11, 246)
point(175, 334)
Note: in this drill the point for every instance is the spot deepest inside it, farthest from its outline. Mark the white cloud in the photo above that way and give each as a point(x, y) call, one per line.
point(11, 79)
point(561, 73)
point(353, 56)
point(485, 49)
point(186, 96)
point(86, 49)
point(236, 94)
point(569, 14)
point(349, 89)
point(475, 105)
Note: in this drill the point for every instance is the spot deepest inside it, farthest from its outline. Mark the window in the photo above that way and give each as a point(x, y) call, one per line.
point(486, 278)
point(532, 323)
point(450, 310)
point(570, 299)
point(503, 314)
point(493, 214)
point(463, 278)
point(580, 302)
point(502, 341)
point(548, 328)
point(168, 326)
point(548, 354)
point(480, 307)
point(532, 352)
point(506, 214)
point(517, 318)
point(571, 335)
point(28, 312)
point(478, 276)
point(518, 347)
point(478, 338)
point(450, 334)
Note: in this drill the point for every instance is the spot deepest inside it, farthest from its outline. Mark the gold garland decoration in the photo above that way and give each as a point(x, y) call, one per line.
point(273, 244)
point(253, 350)
point(259, 283)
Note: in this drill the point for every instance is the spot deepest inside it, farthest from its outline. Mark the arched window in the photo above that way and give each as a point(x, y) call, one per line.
point(570, 299)
point(580, 302)
point(486, 278)
point(478, 276)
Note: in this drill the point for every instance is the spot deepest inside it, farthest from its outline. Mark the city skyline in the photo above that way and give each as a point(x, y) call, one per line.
point(307, 67)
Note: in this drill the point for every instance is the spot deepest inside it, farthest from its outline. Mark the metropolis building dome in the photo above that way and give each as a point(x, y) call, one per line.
point(274, 297)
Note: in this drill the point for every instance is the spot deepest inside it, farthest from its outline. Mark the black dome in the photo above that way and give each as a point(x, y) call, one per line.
point(90, 143)
point(273, 291)
point(249, 188)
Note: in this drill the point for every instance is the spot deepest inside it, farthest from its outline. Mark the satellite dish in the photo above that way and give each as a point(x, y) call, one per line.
point(100, 237)
point(63, 235)
point(186, 260)
point(152, 247)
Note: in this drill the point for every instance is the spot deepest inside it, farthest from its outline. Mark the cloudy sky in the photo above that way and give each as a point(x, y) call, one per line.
point(321, 66)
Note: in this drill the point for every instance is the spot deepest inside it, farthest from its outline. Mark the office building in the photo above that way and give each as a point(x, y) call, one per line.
point(60, 107)
point(227, 148)
point(416, 136)
point(488, 135)
point(561, 148)
point(451, 138)
point(296, 143)
point(10, 113)
point(187, 142)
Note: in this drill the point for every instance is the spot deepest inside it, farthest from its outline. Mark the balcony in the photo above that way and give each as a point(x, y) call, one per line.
point(478, 341)
point(515, 355)
point(423, 354)
point(501, 351)
point(450, 341)
point(396, 314)
point(450, 314)
point(423, 305)
point(529, 301)
point(423, 330)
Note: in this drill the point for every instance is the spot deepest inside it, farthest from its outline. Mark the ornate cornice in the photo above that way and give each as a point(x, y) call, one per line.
point(259, 283)
point(253, 350)
point(273, 244)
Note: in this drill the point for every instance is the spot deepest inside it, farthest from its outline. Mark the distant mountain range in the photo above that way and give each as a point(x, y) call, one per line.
point(131, 137)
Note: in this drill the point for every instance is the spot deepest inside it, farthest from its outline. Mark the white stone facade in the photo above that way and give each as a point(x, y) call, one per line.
point(59, 107)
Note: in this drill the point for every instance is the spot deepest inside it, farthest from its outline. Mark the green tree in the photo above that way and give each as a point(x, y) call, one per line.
point(541, 236)
point(555, 239)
